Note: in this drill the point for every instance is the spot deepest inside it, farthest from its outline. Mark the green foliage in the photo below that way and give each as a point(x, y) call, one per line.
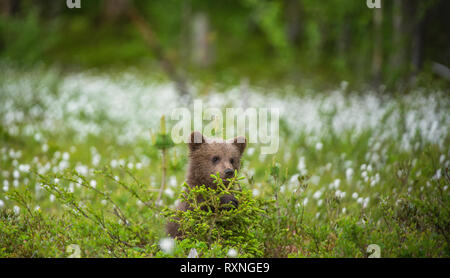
point(221, 225)
point(25, 40)
point(333, 38)
point(99, 192)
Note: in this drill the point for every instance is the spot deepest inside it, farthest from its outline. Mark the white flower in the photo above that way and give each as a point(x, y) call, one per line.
point(16, 174)
point(93, 183)
point(96, 159)
point(82, 169)
point(169, 192)
point(305, 201)
point(24, 168)
point(317, 194)
point(193, 253)
point(319, 202)
point(366, 202)
point(355, 195)
point(319, 146)
point(377, 177)
point(337, 182)
point(104, 202)
point(255, 192)
point(52, 198)
point(232, 253)
point(45, 148)
point(438, 174)
point(16, 210)
point(65, 156)
point(167, 244)
point(2, 204)
point(173, 181)
point(315, 180)
point(301, 166)
point(349, 173)
point(363, 167)
point(340, 194)
point(364, 174)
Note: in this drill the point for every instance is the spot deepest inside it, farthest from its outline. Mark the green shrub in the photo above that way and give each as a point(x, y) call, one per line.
point(212, 225)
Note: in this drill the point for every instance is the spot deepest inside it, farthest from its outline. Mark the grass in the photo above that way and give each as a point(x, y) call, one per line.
point(353, 169)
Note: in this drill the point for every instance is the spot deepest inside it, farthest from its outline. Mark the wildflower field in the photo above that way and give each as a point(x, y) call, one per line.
point(357, 174)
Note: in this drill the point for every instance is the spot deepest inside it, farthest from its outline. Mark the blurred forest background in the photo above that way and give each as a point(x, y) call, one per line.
point(267, 43)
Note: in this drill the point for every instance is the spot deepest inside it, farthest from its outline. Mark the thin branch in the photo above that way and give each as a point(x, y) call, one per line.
point(150, 38)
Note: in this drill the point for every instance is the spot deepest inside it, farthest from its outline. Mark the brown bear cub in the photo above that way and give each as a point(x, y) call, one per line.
point(208, 157)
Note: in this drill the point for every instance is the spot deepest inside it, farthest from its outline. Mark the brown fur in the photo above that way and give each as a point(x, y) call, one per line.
point(203, 154)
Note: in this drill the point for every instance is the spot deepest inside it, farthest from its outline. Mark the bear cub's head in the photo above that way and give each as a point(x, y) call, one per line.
point(211, 156)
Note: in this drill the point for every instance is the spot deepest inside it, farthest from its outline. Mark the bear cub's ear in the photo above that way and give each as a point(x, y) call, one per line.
point(240, 142)
point(196, 140)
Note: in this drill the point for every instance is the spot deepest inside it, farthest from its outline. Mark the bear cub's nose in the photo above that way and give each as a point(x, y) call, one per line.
point(229, 173)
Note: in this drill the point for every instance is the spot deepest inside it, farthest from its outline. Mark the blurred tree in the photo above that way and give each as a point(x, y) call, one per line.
point(294, 20)
point(294, 40)
point(9, 7)
point(397, 57)
point(201, 40)
point(115, 9)
point(377, 52)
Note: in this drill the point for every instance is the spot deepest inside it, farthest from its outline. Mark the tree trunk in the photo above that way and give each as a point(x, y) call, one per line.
point(413, 31)
point(293, 21)
point(397, 59)
point(377, 54)
point(115, 9)
point(201, 40)
point(185, 35)
point(9, 7)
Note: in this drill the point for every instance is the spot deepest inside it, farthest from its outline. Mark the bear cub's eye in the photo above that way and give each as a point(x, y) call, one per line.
point(215, 159)
point(232, 161)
